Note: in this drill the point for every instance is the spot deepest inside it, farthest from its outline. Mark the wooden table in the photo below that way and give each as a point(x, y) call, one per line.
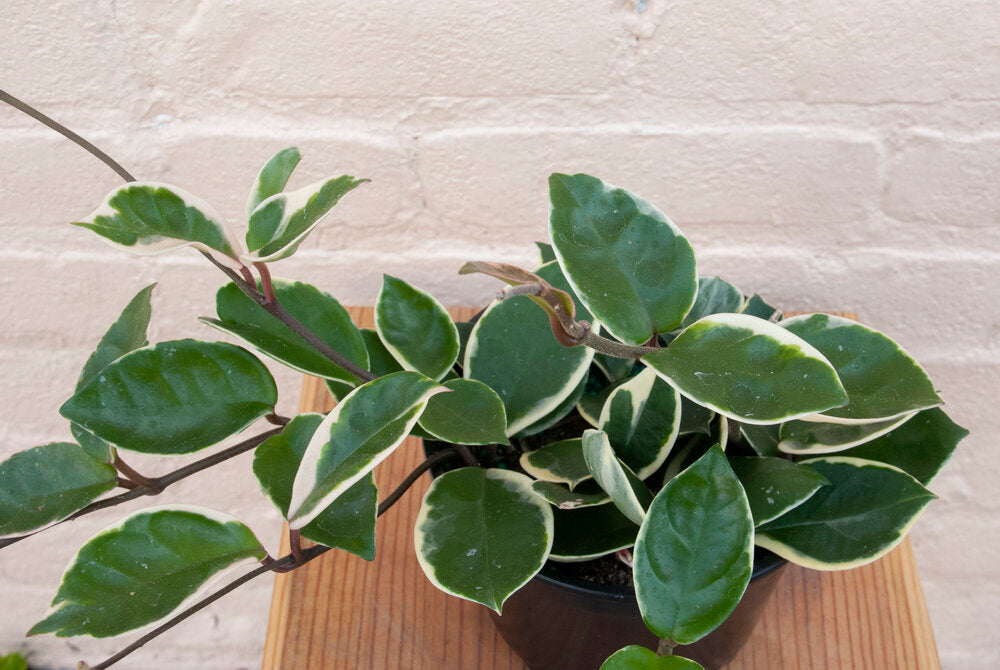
point(342, 612)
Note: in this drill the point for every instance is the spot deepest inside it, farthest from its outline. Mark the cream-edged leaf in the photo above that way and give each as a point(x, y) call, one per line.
point(587, 494)
point(642, 419)
point(559, 462)
point(590, 532)
point(273, 177)
point(810, 437)
point(775, 485)
point(627, 491)
point(472, 413)
point(715, 296)
point(634, 657)
point(415, 328)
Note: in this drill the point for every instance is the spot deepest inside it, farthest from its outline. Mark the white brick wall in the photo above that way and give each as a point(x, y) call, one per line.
point(836, 154)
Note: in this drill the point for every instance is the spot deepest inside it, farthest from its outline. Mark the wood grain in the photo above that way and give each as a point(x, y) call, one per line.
point(341, 612)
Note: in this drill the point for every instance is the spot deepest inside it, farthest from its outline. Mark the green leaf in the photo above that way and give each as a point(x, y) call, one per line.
point(642, 419)
point(415, 328)
point(763, 439)
point(545, 253)
point(482, 534)
point(126, 334)
point(175, 397)
point(147, 218)
point(591, 403)
point(13, 662)
point(94, 446)
point(748, 369)
point(273, 177)
point(348, 523)
point(560, 462)
point(590, 532)
point(512, 350)
point(715, 296)
point(47, 484)
point(360, 432)
point(695, 418)
point(316, 310)
point(380, 364)
point(556, 415)
point(882, 380)
point(615, 369)
point(627, 261)
point(280, 223)
point(756, 306)
point(586, 494)
point(140, 570)
point(634, 657)
point(864, 512)
point(471, 414)
point(919, 447)
point(809, 437)
point(627, 491)
point(775, 485)
point(694, 554)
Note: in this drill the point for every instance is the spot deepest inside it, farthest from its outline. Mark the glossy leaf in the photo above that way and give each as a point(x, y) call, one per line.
point(415, 328)
point(615, 369)
point(175, 397)
point(810, 437)
point(472, 413)
point(590, 405)
point(586, 494)
point(590, 532)
point(482, 534)
point(281, 222)
point(545, 253)
point(695, 418)
point(349, 522)
point(143, 568)
point(628, 263)
point(642, 419)
point(748, 369)
point(273, 177)
point(756, 306)
point(316, 310)
point(126, 334)
point(715, 296)
point(627, 491)
point(919, 447)
point(47, 484)
point(882, 380)
point(864, 512)
point(93, 445)
point(634, 657)
point(775, 485)
point(763, 439)
point(560, 462)
point(512, 350)
point(380, 364)
point(694, 554)
point(147, 218)
point(557, 414)
point(360, 432)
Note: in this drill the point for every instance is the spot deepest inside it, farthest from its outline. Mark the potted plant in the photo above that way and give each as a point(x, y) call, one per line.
point(609, 403)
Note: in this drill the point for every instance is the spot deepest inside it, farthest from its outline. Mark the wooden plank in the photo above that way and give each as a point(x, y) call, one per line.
point(340, 612)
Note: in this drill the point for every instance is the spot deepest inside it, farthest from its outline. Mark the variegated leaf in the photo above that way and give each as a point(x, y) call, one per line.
point(627, 491)
point(642, 420)
point(810, 437)
point(273, 177)
point(415, 328)
point(590, 532)
point(560, 462)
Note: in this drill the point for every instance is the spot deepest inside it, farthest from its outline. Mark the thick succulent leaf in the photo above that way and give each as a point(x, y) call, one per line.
point(415, 328)
point(748, 369)
point(556, 415)
point(715, 296)
point(810, 437)
point(756, 306)
point(380, 364)
point(175, 397)
point(316, 310)
point(126, 334)
point(591, 532)
point(630, 265)
point(482, 534)
point(642, 419)
point(882, 380)
point(615, 369)
point(763, 439)
point(93, 445)
point(694, 554)
point(349, 522)
point(143, 568)
point(273, 177)
point(695, 418)
point(775, 485)
point(591, 403)
point(360, 432)
point(147, 218)
point(47, 484)
point(279, 224)
point(560, 462)
point(634, 657)
point(627, 491)
point(586, 494)
point(864, 512)
point(512, 350)
point(545, 253)
point(464, 329)
point(919, 447)
point(471, 414)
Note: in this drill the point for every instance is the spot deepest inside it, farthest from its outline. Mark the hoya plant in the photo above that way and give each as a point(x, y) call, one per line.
point(607, 402)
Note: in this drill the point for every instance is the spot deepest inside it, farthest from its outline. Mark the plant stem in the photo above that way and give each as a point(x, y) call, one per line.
point(158, 484)
point(295, 544)
point(266, 283)
point(666, 647)
point(133, 476)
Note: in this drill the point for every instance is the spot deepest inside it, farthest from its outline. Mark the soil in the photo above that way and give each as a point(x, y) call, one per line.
point(606, 570)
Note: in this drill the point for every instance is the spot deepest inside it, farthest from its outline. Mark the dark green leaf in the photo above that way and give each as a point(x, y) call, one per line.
point(471, 414)
point(590, 532)
point(642, 420)
point(586, 494)
point(810, 437)
point(627, 491)
point(628, 262)
point(556, 415)
point(482, 534)
point(755, 306)
point(273, 177)
point(775, 485)
point(47, 484)
point(175, 397)
point(126, 334)
point(695, 418)
point(93, 445)
point(615, 369)
point(560, 462)
point(545, 253)
point(415, 328)
point(763, 439)
point(748, 369)
point(715, 296)
point(141, 569)
point(694, 553)
point(639, 658)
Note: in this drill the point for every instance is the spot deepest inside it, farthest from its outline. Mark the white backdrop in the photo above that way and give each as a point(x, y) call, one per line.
point(834, 154)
